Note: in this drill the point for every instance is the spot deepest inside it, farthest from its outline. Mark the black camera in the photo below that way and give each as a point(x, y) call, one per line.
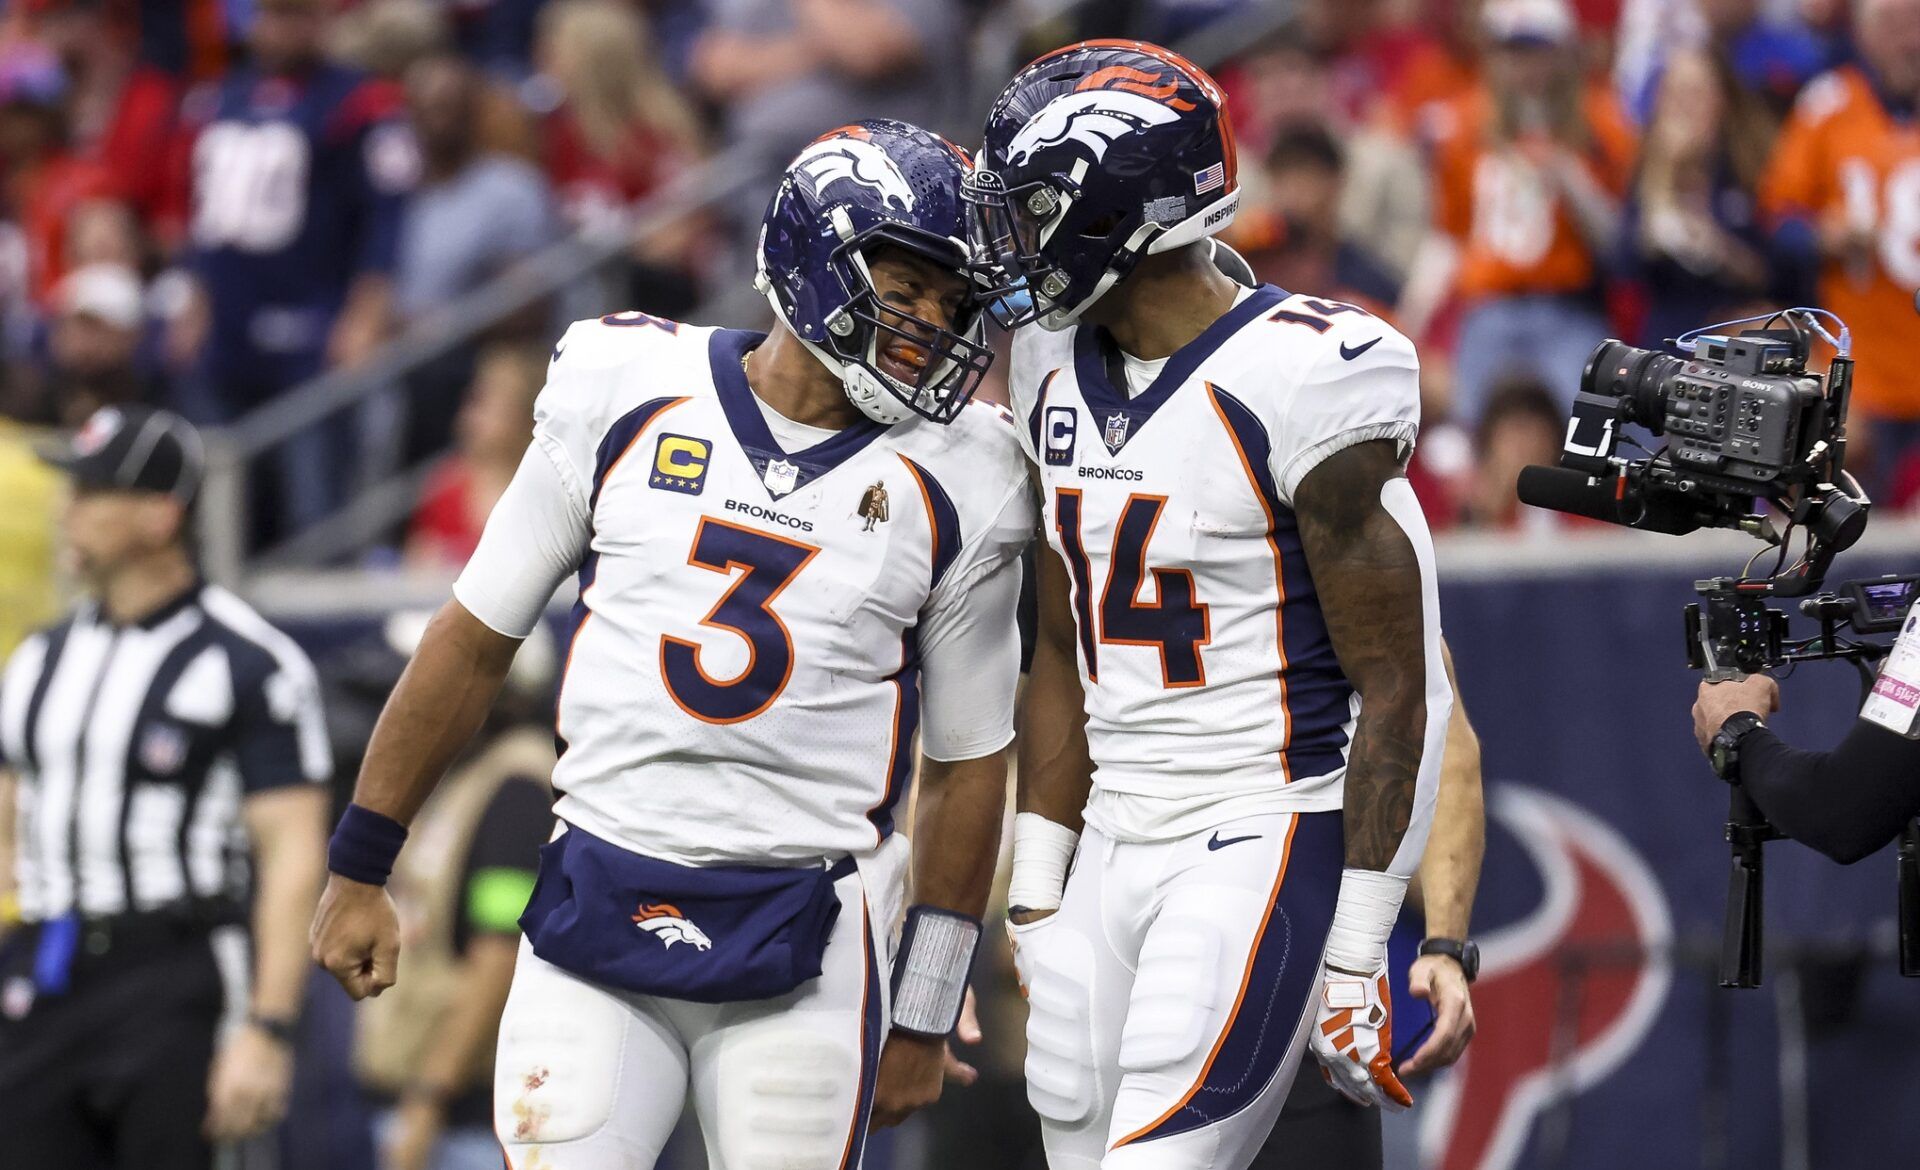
point(1744, 420)
point(1745, 424)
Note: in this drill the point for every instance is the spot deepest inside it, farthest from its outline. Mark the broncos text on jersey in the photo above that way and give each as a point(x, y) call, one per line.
point(1208, 670)
point(742, 678)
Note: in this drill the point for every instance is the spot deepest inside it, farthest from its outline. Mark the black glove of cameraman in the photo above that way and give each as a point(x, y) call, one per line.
point(1846, 803)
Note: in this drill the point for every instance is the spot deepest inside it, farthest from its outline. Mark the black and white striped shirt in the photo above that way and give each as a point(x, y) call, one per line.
point(134, 746)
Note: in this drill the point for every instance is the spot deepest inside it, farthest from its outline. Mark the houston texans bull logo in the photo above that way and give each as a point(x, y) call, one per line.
point(846, 156)
point(1566, 994)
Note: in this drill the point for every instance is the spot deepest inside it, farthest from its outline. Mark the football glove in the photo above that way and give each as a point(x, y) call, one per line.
point(1353, 1038)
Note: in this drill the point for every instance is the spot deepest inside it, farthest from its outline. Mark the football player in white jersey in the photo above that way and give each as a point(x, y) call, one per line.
point(1237, 701)
point(793, 551)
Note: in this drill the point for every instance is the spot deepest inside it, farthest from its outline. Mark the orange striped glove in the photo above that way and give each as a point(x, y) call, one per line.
point(1353, 1038)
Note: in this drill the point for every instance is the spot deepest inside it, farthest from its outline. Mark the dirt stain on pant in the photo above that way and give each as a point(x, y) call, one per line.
point(529, 1115)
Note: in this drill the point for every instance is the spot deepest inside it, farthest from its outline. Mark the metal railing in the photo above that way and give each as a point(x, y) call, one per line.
point(224, 501)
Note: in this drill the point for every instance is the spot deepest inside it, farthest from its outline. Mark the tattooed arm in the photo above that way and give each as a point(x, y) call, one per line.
point(1372, 564)
point(1368, 574)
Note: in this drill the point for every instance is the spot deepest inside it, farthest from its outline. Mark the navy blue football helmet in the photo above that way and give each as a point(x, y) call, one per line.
point(1096, 155)
point(873, 183)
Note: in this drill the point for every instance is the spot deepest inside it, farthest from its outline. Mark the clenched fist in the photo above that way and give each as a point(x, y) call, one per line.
point(356, 936)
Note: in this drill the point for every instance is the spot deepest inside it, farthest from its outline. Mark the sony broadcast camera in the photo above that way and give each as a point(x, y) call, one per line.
point(1754, 441)
point(1745, 423)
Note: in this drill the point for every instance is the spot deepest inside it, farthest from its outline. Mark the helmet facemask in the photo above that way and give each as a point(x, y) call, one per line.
point(1015, 228)
point(954, 358)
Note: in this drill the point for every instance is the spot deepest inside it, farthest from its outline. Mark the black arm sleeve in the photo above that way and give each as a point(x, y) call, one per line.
point(1846, 803)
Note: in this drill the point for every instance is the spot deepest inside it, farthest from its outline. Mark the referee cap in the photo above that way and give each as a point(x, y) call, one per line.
point(133, 448)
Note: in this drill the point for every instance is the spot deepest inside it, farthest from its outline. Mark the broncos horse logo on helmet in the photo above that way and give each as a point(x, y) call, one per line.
point(852, 157)
point(1096, 155)
point(873, 183)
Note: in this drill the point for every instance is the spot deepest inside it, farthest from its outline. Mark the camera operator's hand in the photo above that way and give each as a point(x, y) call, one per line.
point(1719, 701)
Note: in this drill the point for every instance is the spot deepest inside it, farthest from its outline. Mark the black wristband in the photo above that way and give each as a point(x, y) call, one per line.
point(364, 845)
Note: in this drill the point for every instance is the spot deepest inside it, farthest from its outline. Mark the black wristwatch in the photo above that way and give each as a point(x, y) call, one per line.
point(281, 1030)
point(1463, 951)
point(1724, 751)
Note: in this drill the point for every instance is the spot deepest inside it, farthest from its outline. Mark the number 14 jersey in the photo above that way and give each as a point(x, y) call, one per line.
point(1211, 683)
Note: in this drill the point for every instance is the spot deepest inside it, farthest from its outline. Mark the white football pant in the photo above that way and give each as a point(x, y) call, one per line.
point(591, 1078)
point(1171, 994)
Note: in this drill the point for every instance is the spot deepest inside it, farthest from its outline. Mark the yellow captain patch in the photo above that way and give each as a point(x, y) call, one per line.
point(680, 464)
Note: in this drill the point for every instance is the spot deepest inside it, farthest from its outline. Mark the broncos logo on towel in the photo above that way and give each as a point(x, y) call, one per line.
point(664, 921)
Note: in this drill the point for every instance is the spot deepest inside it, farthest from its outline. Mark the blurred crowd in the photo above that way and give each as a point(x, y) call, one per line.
point(205, 204)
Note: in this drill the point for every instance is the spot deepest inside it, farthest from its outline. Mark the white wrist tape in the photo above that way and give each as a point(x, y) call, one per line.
point(930, 975)
point(1363, 917)
point(1042, 851)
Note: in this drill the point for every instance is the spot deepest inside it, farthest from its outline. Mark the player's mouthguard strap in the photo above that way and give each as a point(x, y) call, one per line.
point(930, 976)
point(365, 845)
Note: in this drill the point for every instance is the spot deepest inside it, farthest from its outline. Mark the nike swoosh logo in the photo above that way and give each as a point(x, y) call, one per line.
point(1214, 842)
point(1353, 351)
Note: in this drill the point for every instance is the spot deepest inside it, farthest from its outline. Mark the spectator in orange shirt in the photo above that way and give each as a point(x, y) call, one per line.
point(1527, 191)
point(1843, 194)
point(1437, 74)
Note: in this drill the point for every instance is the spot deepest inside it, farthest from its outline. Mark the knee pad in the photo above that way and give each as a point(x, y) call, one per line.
point(1176, 990)
point(557, 1067)
point(785, 1098)
point(1063, 1082)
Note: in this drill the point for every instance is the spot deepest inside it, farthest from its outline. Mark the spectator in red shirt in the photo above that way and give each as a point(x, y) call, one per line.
point(618, 130)
point(43, 180)
point(490, 436)
point(122, 112)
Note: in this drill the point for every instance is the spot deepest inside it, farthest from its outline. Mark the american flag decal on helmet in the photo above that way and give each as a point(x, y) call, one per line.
point(1210, 179)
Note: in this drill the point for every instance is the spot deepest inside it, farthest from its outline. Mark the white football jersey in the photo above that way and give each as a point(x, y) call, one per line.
point(1211, 683)
point(742, 678)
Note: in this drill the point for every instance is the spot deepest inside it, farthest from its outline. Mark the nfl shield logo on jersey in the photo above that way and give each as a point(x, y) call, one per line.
point(1116, 432)
point(664, 921)
point(163, 748)
point(780, 477)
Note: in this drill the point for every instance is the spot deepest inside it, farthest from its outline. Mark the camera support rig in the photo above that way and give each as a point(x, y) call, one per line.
point(1732, 633)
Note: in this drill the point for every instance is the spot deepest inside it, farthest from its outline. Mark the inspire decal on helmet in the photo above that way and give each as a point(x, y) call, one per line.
point(849, 155)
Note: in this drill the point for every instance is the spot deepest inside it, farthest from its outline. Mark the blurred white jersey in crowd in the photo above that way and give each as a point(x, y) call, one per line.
point(767, 612)
point(1192, 462)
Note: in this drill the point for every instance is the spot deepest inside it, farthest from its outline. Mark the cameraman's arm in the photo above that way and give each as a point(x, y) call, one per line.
point(1846, 803)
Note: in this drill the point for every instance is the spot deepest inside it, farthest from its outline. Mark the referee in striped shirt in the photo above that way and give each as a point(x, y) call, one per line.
point(148, 742)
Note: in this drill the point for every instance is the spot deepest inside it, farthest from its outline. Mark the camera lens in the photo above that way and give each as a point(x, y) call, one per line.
point(1639, 376)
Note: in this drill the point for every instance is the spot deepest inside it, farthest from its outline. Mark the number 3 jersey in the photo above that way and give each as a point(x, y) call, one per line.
point(759, 631)
point(1212, 689)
